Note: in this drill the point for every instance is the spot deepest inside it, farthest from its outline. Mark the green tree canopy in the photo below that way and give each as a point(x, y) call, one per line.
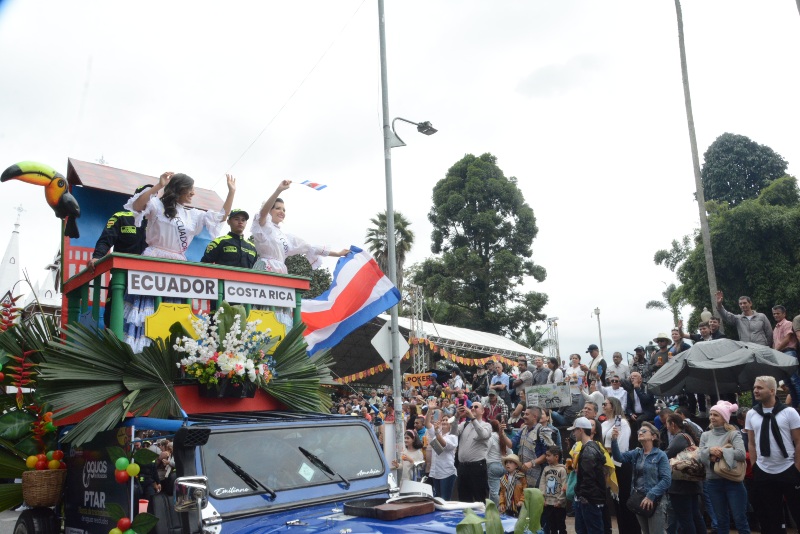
point(320, 278)
point(483, 231)
point(736, 169)
point(755, 252)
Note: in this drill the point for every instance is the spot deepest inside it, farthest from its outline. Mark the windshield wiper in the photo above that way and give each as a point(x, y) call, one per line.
point(248, 479)
point(325, 468)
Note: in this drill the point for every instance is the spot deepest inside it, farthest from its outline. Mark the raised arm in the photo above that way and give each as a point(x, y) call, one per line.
point(727, 316)
point(262, 215)
point(141, 202)
point(226, 207)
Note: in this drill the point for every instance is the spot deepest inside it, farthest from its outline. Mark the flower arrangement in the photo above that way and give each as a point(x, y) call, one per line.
point(227, 347)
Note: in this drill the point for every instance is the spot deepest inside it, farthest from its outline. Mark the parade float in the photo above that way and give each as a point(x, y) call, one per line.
point(247, 409)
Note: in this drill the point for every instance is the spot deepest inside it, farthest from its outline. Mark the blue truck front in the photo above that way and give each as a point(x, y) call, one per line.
point(292, 473)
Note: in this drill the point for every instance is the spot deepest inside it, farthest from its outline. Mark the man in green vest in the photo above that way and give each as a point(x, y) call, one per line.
point(232, 249)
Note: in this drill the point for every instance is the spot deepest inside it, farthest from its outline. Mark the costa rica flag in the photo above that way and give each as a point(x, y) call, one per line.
point(314, 185)
point(359, 292)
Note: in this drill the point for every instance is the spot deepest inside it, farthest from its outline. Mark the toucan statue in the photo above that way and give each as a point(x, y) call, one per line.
point(56, 191)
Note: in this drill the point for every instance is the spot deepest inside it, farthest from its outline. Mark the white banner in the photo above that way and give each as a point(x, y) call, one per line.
point(246, 293)
point(552, 396)
point(171, 285)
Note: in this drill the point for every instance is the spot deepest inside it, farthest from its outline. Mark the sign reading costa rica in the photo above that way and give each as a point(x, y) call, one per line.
point(171, 285)
point(246, 293)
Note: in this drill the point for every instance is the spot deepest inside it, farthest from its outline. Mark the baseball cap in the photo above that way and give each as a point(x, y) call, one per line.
point(581, 422)
point(142, 188)
point(641, 348)
point(591, 348)
point(237, 211)
point(492, 392)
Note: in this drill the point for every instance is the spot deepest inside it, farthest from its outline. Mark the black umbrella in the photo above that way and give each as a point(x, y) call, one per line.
point(722, 365)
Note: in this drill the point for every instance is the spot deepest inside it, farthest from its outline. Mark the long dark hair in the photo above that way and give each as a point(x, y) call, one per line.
point(496, 428)
point(678, 421)
point(415, 441)
point(178, 185)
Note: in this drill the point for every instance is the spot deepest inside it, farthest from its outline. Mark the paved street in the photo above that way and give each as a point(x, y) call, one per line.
point(7, 521)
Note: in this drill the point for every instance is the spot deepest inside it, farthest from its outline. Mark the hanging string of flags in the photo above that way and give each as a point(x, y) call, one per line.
point(461, 360)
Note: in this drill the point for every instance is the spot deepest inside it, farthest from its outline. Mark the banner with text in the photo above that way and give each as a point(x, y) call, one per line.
point(246, 293)
point(419, 379)
point(171, 285)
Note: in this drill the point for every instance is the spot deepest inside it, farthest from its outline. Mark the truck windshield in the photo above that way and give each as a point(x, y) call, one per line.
point(273, 456)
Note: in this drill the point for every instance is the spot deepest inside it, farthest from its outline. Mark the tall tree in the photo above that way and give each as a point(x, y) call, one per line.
point(483, 231)
point(673, 301)
point(377, 236)
point(754, 244)
point(698, 183)
point(736, 168)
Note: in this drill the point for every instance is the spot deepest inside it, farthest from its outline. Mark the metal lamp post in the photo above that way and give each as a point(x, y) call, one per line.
point(599, 331)
point(390, 140)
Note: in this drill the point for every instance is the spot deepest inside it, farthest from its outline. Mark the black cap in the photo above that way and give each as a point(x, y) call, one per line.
point(591, 348)
point(142, 188)
point(236, 211)
point(641, 348)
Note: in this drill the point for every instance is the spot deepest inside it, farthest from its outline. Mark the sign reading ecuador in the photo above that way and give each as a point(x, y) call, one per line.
point(171, 285)
point(246, 293)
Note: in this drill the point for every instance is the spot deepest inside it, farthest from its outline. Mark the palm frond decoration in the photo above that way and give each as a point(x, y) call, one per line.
point(10, 495)
point(93, 367)
point(301, 382)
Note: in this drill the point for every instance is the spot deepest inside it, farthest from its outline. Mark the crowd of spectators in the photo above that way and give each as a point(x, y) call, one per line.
point(480, 440)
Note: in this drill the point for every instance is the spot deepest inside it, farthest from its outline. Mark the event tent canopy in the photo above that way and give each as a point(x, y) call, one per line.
point(355, 352)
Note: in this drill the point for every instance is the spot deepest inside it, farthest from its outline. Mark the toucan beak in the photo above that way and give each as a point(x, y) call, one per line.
point(30, 172)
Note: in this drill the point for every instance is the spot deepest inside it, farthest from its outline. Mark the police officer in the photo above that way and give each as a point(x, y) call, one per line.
point(122, 234)
point(232, 249)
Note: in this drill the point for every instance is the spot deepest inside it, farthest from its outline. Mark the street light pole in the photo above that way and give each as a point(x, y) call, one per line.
point(599, 332)
point(390, 240)
point(390, 140)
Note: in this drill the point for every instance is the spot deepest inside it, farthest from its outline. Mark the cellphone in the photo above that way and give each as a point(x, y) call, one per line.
point(618, 421)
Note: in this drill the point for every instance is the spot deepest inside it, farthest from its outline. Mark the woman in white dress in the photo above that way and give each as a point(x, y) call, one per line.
point(274, 245)
point(171, 226)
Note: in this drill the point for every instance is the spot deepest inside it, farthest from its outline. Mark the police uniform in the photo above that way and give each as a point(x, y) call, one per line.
point(122, 234)
point(232, 250)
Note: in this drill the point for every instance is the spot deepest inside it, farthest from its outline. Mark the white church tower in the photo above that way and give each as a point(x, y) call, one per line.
point(9, 268)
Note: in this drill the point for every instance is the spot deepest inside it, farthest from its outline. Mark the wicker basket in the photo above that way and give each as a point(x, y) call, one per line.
point(43, 488)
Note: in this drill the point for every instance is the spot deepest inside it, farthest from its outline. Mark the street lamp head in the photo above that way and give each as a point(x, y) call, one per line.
point(426, 128)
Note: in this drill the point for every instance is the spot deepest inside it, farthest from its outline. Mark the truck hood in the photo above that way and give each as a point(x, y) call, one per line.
point(331, 518)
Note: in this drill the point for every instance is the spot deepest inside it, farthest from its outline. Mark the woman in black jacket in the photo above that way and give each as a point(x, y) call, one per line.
point(684, 495)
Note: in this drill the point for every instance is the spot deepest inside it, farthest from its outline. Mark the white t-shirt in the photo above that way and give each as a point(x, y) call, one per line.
point(788, 419)
point(624, 438)
point(494, 449)
point(443, 465)
point(572, 376)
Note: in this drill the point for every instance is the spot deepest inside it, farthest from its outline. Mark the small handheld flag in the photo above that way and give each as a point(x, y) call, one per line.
point(314, 185)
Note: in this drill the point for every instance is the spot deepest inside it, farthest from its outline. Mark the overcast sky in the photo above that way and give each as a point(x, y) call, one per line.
point(580, 100)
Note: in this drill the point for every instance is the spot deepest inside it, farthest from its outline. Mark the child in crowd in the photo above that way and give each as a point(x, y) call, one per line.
point(512, 486)
point(553, 486)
